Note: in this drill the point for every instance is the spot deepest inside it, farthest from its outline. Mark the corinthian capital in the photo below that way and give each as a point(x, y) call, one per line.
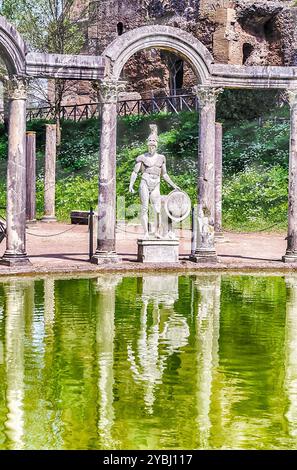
point(207, 94)
point(109, 90)
point(17, 87)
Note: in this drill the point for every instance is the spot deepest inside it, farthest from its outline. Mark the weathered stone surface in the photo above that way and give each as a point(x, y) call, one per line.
point(291, 253)
point(205, 249)
point(158, 251)
point(16, 176)
point(31, 177)
point(108, 91)
point(218, 180)
point(50, 173)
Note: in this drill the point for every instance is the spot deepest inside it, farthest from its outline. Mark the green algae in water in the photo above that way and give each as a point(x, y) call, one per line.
point(153, 362)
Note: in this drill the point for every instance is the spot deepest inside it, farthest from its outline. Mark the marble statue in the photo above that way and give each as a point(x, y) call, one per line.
point(152, 165)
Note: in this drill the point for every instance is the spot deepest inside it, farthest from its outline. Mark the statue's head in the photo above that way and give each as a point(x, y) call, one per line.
point(152, 141)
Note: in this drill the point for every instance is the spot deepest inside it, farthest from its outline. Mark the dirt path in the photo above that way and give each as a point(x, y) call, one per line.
point(68, 251)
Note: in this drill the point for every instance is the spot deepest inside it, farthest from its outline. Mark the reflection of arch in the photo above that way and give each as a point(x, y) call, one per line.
point(161, 37)
point(12, 49)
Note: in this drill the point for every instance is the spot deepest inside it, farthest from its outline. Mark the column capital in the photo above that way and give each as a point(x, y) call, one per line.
point(109, 90)
point(17, 87)
point(207, 94)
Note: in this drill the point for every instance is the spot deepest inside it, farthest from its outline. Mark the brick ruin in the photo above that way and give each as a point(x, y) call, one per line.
point(249, 32)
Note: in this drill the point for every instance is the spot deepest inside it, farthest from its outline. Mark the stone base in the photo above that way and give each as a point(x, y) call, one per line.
point(290, 258)
point(14, 260)
point(105, 258)
point(48, 219)
point(158, 251)
point(204, 257)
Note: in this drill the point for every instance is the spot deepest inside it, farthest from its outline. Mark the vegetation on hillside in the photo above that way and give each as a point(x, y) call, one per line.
point(255, 165)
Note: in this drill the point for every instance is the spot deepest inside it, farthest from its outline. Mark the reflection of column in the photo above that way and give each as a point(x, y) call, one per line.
point(14, 337)
point(205, 250)
point(50, 173)
point(49, 302)
point(291, 253)
point(16, 175)
point(291, 356)
point(105, 334)
point(207, 331)
point(106, 249)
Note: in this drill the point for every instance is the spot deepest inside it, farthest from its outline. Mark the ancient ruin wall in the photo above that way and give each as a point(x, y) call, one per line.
point(251, 32)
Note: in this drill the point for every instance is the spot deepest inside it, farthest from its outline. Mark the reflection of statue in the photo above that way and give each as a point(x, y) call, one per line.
point(153, 166)
point(162, 333)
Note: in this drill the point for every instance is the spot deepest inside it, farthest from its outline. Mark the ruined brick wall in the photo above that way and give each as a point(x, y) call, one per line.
point(250, 32)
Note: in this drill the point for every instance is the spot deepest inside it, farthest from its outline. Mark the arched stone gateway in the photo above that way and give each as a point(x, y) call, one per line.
point(161, 37)
point(12, 49)
point(105, 71)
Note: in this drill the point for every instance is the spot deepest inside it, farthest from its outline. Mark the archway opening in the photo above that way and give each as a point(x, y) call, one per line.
point(247, 51)
point(120, 28)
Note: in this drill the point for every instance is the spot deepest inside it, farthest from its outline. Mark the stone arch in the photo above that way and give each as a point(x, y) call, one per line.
point(161, 37)
point(12, 49)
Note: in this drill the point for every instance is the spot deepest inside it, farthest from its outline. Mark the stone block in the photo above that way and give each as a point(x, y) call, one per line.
point(158, 251)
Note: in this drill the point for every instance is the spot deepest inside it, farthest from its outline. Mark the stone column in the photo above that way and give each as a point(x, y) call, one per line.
point(31, 177)
point(291, 253)
point(50, 173)
point(218, 181)
point(106, 249)
point(15, 253)
point(205, 250)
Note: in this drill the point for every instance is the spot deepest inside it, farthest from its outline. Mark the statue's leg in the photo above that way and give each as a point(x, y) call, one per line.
point(144, 198)
point(156, 203)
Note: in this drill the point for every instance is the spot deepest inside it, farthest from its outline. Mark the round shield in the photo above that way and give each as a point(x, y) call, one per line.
point(177, 205)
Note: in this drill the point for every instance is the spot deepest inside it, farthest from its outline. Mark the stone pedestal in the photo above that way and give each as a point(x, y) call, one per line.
point(291, 253)
point(104, 257)
point(158, 251)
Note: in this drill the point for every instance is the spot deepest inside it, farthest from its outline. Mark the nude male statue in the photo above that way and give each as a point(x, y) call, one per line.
point(152, 165)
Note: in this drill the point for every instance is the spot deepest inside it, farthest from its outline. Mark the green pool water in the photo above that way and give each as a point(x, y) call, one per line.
point(153, 362)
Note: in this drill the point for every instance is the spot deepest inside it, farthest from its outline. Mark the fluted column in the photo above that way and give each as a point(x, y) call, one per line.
point(205, 250)
point(31, 177)
point(50, 174)
point(291, 253)
point(106, 249)
point(218, 181)
point(15, 253)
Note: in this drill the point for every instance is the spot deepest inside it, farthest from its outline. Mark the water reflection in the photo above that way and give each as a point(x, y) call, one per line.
point(291, 357)
point(207, 337)
point(16, 294)
point(162, 327)
point(105, 332)
point(156, 362)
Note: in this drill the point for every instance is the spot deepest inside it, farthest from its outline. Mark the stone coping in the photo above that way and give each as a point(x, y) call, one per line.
point(135, 268)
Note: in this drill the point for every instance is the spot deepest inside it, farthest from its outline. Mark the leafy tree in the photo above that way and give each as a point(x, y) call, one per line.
point(52, 26)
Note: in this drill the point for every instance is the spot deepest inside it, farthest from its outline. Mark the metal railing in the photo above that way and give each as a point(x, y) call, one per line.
point(140, 107)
